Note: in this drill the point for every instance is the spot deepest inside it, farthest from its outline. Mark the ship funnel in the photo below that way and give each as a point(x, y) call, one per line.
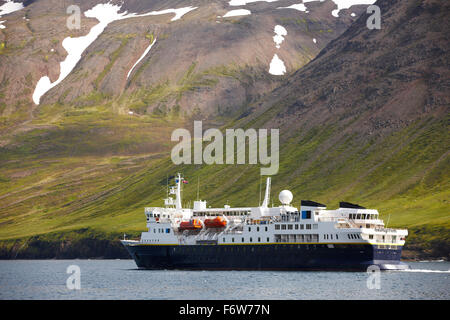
point(265, 203)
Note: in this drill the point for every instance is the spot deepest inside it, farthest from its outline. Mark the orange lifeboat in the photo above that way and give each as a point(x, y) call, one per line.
point(190, 225)
point(217, 222)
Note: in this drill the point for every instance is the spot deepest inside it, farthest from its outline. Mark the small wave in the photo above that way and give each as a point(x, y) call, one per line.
point(442, 260)
point(426, 271)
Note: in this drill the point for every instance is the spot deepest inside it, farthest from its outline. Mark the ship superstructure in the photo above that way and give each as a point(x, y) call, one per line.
point(274, 238)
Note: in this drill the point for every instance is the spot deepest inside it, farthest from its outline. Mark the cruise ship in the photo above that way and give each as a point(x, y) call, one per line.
point(265, 237)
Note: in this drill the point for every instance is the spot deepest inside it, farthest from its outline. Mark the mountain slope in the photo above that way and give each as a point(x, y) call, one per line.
point(196, 60)
point(366, 121)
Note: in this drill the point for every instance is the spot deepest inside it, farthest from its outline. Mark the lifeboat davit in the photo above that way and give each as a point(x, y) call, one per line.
point(190, 225)
point(217, 222)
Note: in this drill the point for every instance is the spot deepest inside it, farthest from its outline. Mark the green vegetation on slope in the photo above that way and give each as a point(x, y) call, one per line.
point(404, 176)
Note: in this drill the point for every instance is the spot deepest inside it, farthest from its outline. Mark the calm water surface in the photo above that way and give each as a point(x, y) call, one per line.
point(119, 279)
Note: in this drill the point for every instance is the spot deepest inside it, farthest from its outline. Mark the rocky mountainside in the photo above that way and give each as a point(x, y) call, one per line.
point(378, 81)
point(203, 64)
point(362, 114)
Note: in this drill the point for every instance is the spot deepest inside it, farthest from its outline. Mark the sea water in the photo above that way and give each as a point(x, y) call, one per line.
point(120, 279)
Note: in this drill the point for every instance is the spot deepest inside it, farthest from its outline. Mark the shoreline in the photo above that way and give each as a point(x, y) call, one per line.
point(105, 249)
point(89, 243)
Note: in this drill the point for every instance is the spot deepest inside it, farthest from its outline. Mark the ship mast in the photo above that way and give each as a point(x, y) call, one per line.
point(265, 203)
point(178, 193)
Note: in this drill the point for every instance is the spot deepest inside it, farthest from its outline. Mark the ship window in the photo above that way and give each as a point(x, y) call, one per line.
point(283, 227)
point(302, 227)
point(337, 238)
point(277, 227)
point(242, 239)
point(370, 236)
point(232, 239)
point(358, 216)
point(266, 228)
point(154, 230)
point(296, 227)
point(223, 239)
point(267, 239)
point(249, 229)
point(167, 230)
point(259, 239)
point(308, 226)
point(257, 228)
point(331, 237)
point(290, 226)
point(251, 239)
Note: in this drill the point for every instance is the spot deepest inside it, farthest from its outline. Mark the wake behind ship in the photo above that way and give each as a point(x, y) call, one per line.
point(265, 238)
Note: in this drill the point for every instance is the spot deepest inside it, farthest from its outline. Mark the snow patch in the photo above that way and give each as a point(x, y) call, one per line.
point(238, 12)
point(280, 32)
point(346, 4)
point(178, 13)
point(9, 7)
point(105, 13)
point(299, 7)
point(142, 57)
point(277, 67)
point(341, 4)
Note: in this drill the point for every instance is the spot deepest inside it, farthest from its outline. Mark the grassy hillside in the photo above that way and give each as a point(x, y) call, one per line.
point(403, 175)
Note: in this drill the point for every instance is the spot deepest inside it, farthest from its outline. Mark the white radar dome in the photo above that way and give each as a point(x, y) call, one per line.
point(285, 197)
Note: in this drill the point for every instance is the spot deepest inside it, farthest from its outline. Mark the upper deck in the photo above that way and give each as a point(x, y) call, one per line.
point(312, 223)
